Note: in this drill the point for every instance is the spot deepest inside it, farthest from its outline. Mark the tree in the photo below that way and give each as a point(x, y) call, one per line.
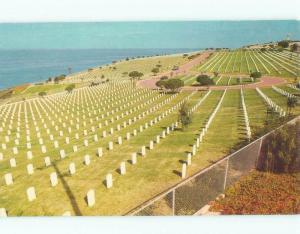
point(279, 151)
point(205, 80)
point(173, 84)
point(135, 74)
point(42, 93)
point(255, 75)
point(263, 49)
point(291, 103)
point(294, 47)
point(184, 116)
point(284, 43)
point(164, 77)
point(160, 84)
point(70, 88)
point(155, 70)
point(59, 78)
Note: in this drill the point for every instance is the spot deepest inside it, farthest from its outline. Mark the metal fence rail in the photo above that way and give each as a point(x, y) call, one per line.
point(190, 195)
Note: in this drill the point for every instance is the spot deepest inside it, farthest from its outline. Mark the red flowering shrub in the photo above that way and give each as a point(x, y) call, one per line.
point(262, 193)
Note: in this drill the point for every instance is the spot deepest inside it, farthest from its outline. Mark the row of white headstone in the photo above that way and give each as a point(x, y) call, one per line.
point(164, 133)
point(293, 87)
point(198, 140)
point(272, 104)
point(53, 176)
point(43, 148)
point(204, 130)
point(275, 60)
point(99, 153)
point(283, 92)
point(91, 200)
point(246, 118)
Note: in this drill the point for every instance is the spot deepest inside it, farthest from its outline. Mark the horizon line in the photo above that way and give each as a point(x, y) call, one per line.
point(146, 20)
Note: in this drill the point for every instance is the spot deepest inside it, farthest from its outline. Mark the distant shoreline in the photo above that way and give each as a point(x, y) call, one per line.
point(83, 62)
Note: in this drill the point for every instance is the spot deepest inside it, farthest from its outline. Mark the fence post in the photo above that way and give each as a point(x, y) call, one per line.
point(225, 176)
point(173, 203)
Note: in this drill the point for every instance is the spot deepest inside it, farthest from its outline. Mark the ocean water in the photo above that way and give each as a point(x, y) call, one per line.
point(31, 52)
point(25, 66)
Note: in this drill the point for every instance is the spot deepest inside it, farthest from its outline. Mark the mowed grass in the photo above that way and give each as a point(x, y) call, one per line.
point(48, 88)
point(226, 130)
point(120, 69)
point(247, 61)
point(157, 171)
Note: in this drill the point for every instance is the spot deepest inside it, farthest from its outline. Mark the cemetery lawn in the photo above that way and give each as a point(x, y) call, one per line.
point(72, 118)
point(245, 61)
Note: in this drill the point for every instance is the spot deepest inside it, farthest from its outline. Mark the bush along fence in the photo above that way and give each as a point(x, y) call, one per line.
point(192, 194)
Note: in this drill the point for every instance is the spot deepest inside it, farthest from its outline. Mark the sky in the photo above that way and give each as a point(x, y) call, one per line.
point(120, 10)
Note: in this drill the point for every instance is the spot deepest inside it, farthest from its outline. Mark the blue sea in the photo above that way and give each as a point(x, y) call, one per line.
point(31, 52)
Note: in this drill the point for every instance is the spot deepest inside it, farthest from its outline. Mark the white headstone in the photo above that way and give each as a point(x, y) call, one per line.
point(29, 155)
point(62, 154)
point(75, 149)
point(72, 168)
point(96, 138)
point(8, 179)
point(53, 179)
point(120, 140)
point(99, 152)
point(13, 162)
point(110, 145)
point(3, 212)
point(183, 171)
point(109, 181)
point(143, 151)
point(44, 150)
point(123, 168)
point(194, 150)
point(151, 145)
point(133, 158)
point(91, 197)
point(47, 161)
point(31, 194)
point(189, 159)
point(157, 139)
point(30, 169)
point(15, 150)
point(87, 160)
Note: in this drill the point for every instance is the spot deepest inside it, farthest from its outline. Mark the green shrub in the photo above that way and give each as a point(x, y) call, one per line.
point(42, 94)
point(279, 151)
point(205, 80)
point(173, 84)
point(70, 88)
point(185, 118)
point(255, 75)
point(284, 43)
point(135, 74)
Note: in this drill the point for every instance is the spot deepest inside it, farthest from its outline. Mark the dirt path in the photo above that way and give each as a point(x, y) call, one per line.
point(265, 81)
point(183, 69)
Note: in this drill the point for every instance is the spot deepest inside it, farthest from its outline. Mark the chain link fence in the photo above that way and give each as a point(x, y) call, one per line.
point(189, 196)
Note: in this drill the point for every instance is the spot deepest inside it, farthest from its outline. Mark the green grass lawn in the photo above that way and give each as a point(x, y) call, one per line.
point(88, 107)
point(246, 61)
